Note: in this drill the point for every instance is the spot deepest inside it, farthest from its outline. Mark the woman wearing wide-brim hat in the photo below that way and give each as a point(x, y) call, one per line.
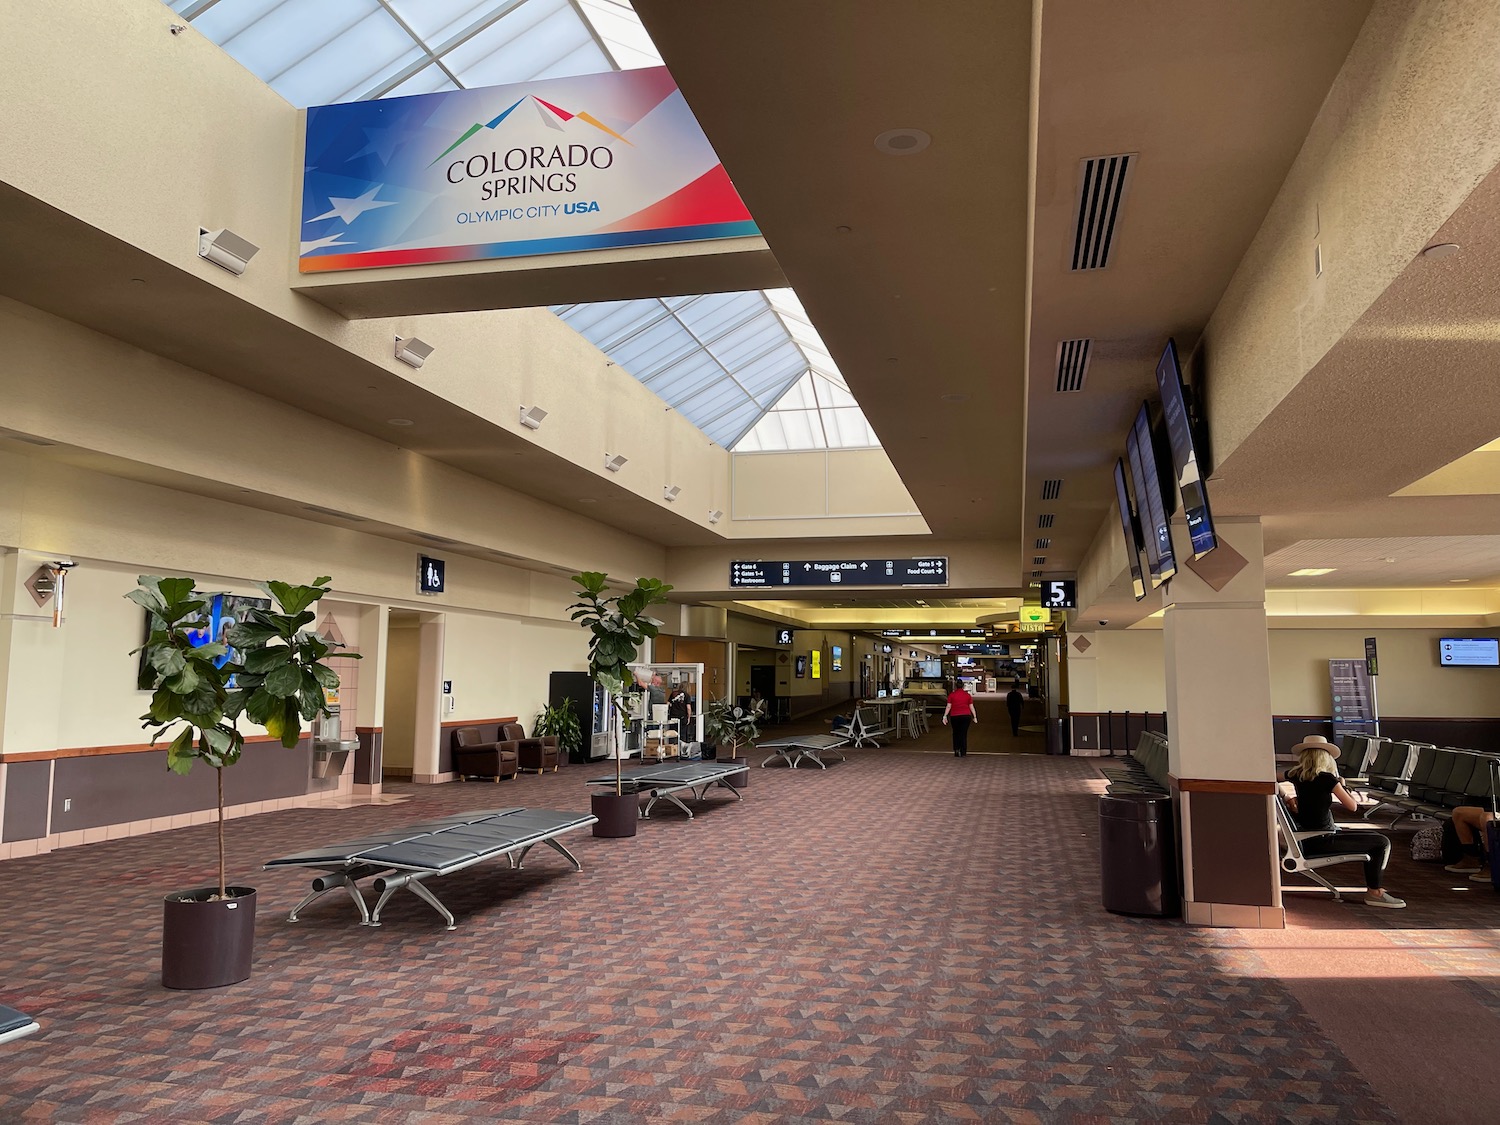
point(1316, 779)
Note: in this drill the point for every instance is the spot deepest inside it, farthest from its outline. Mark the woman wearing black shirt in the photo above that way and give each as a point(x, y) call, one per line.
point(1316, 779)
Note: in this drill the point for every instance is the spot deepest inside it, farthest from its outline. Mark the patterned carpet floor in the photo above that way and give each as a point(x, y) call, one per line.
point(904, 937)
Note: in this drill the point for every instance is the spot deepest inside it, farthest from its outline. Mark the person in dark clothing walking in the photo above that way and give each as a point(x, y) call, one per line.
point(960, 711)
point(1013, 702)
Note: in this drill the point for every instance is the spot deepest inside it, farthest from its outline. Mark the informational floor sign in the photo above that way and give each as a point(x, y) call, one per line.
point(1372, 658)
point(839, 572)
point(1353, 698)
point(591, 162)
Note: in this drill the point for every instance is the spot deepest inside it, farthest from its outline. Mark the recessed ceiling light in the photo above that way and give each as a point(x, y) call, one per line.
point(1311, 571)
point(1441, 250)
point(952, 397)
point(902, 142)
point(587, 500)
point(398, 421)
point(842, 229)
point(1458, 580)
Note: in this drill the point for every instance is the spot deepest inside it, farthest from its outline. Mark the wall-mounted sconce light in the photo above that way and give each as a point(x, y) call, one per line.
point(412, 351)
point(715, 515)
point(531, 417)
point(226, 249)
point(671, 492)
point(614, 462)
point(46, 583)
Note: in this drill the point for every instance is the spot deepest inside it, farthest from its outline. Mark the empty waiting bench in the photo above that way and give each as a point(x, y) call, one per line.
point(15, 1025)
point(408, 855)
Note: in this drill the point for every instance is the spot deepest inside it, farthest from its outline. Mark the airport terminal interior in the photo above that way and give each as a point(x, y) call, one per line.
point(1113, 371)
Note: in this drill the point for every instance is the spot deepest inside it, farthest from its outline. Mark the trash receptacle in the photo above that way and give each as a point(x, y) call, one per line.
point(1138, 855)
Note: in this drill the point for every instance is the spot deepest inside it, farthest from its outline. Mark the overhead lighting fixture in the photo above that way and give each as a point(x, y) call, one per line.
point(398, 422)
point(1311, 571)
point(532, 416)
point(670, 492)
point(1458, 580)
point(903, 142)
point(226, 249)
point(953, 397)
point(1440, 250)
point(587, 500)
point(614, 462)
point(715, 515)
point(412, 351)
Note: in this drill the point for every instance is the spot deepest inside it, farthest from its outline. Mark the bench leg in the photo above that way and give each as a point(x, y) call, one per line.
point(655, 796)
point(332, 881)
point(556, 845)
point(388, 885)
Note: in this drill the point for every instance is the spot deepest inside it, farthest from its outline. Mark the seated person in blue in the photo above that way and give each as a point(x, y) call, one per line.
point(1316, 779)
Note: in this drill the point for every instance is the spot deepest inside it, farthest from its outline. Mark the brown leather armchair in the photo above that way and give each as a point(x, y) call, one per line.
point(474, 757)
point(539, 753)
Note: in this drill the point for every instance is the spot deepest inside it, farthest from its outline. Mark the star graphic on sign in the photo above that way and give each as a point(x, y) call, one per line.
point(382, 142)
point(350, 209)
point(320, 243)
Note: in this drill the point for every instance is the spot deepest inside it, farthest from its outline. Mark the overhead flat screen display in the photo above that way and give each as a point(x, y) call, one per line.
point(1148, 502)
point(1469, 652)
point(1131, 532)
point(760, 573)
point(1200, 522)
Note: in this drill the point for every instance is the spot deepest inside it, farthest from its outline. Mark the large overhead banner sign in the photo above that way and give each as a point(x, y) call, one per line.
point(565, 164)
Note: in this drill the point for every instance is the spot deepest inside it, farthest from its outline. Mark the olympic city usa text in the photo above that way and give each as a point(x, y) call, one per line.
point(535, 168)
point(535, 211)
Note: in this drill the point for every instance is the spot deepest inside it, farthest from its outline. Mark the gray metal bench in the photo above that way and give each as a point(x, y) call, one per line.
point(408, 854)
point(664, 782)
point(15, 1025)
point(792, 750)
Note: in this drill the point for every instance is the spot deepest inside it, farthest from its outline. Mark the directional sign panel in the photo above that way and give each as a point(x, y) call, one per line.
point(839, 572)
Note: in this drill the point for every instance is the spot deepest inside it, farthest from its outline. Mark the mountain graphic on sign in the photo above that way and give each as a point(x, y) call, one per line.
point(544, 108)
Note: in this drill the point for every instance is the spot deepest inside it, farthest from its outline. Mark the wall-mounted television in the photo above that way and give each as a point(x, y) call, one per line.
point(1185, 461)
point(1469, 652)
point(1130, 529)
point(1141, 451)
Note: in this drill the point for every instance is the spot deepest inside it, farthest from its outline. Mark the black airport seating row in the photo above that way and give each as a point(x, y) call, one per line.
point(1145, 771)
point(1419, 779)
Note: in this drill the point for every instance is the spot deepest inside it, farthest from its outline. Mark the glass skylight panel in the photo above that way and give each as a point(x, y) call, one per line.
point(621, 30)
point(721, 359)
point(349, 64)
point(437, 21)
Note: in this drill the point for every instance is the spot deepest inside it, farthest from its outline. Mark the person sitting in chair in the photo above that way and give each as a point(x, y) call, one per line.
point(1316, 779)
point(1469, 822)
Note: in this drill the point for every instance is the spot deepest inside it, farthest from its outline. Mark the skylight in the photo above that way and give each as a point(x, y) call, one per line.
point(748, 369)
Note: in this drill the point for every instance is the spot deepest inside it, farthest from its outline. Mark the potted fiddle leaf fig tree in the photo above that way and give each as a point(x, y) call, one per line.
point(733, 727)
point(618, 626)
point(266, 668)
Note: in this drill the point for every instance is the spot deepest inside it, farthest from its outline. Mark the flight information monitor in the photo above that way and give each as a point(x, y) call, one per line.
point(1200, 522)
point(1148, 500)
point(1131, 531)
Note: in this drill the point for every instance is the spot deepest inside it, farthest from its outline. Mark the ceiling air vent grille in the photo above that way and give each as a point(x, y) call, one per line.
point(1044, 520)
point(1072, 364)
point(1036, 574)
point(436, 539)
point(1104, 180)
point(1043, 544)
point(1051, 490)
point(1038, 560)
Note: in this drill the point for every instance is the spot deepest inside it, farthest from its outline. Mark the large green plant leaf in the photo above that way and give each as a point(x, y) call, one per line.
point(284, 681)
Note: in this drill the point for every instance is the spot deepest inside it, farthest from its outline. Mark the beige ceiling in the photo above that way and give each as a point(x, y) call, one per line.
point(949, 279)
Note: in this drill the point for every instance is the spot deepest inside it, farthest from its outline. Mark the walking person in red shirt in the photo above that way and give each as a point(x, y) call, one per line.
point(960, 710)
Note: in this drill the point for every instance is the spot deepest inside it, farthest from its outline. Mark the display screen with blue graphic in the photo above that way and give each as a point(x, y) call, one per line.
point(218, 614)
point(1469, 652)
point(1185, 462)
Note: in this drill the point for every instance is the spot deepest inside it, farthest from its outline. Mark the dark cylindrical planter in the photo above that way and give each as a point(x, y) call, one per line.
point(617, 815)
point(207, 944)
point(737, 780)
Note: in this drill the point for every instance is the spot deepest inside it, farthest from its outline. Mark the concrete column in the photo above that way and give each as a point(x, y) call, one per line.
point(369, 720)
point(1221, 759)
point(426, 763)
